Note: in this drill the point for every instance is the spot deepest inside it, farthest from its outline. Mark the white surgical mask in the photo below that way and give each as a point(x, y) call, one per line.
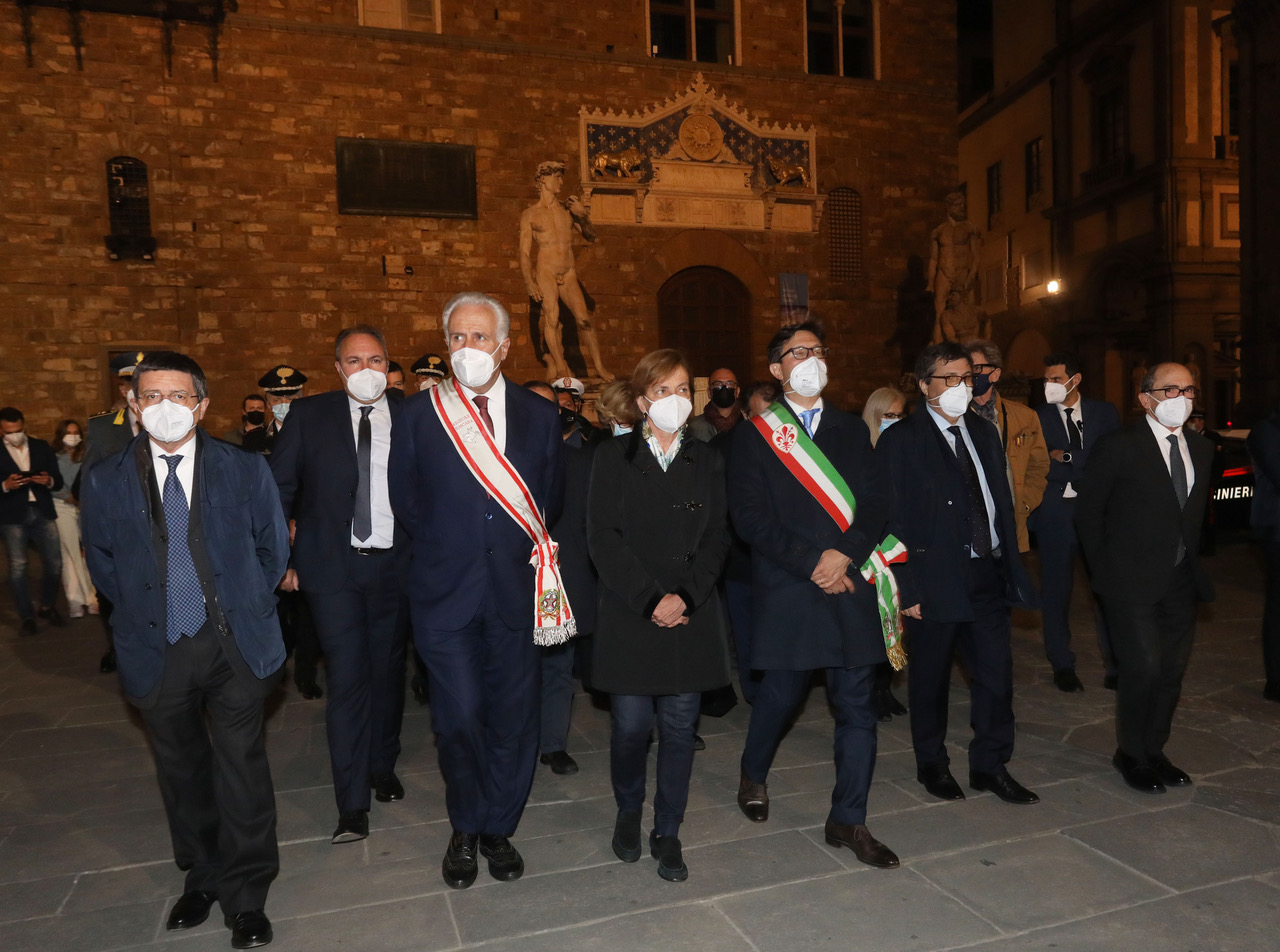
point(809, 377)
point(1173, 412)
point(367, 385)
point(1056, 392)
point(16, 439)
point(71, 439)
point(168, 422)
point(669, 413)
point(885, 424)
point(472, 367)
point(619, 429)
point(955, 400)
point(280, 411)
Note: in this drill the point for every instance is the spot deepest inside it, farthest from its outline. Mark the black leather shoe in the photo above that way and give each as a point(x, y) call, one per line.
point(308, 688)
point(249, 929)
point(506, 865)
point(699, 743)
point(666, 850)
point(938, 781)
point(1003, 786)
point(1110, 682)
point(108, 663)
point(459, 866)
point(1171, 776)
point(53, 617)
point(1139, 776)
point(893, 705)
point(626, 836)
point(352, 825)
point(1066, 681)
point(191, 909)
point(753, 799)
point(28, 627)
point(865, 846)
point(388, 788)
point(560, 762)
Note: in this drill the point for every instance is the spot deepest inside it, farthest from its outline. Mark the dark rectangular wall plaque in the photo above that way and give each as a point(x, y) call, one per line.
point(416, 179)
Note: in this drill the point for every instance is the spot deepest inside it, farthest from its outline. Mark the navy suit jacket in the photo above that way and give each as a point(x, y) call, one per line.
point(314, 465)
point(13, 505)
point(795, 625)
point(929, 513)
point(1264, 449)
point(235, 510)
point(465, 547)
point(1100, 418)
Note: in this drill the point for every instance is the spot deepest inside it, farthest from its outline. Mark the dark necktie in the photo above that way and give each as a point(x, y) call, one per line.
point(1179, 473)
point(185, 600)
point(482, 404)
point(1073, 431)
point(362, 525)
point(806, 417)
point(978, 517)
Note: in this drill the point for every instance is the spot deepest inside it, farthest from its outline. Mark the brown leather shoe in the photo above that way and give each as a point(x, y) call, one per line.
point(753, 799)
point(865, 846)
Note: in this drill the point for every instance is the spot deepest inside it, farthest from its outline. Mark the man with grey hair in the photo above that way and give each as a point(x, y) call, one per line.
point(349, 559)
point(479, 460)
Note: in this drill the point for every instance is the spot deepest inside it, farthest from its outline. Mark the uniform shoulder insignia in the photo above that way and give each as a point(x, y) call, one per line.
point(102, 414)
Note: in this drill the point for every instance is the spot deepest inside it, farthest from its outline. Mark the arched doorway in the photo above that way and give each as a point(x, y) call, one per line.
point(706, 313)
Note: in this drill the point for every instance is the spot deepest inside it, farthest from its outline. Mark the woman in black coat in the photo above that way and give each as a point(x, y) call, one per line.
point(657, 532)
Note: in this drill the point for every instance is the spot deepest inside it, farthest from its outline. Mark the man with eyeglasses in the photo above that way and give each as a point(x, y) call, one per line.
point(722, 412)
point(185, 536)
point(807, 498)
point(1138, 516)
point(952, 508)
point(1072, 425)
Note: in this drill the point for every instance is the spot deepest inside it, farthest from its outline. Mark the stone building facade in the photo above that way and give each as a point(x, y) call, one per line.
point(253, 264)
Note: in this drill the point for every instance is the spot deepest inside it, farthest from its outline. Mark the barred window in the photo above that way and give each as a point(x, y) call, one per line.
point(844, 218)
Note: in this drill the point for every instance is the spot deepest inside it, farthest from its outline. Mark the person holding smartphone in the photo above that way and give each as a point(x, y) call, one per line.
point(30, 475)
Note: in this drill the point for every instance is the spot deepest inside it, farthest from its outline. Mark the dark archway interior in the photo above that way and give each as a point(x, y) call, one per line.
point(705, 313)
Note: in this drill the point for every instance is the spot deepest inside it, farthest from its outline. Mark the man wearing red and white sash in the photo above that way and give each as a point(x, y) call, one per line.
point(481, 464)
point(805, 495)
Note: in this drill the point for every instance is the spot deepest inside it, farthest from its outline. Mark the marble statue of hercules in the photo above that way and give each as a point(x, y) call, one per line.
point(955, 251)
point(549, 224)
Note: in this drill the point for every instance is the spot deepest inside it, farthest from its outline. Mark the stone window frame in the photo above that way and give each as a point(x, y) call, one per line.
point(1033, 170)
point(402, 16)
point(1110, 134)
point(837, 32)
point(690, 9)
point(995, 194)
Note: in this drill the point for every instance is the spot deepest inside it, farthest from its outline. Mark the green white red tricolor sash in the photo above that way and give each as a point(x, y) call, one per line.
point(807, 463)
point(554, 623)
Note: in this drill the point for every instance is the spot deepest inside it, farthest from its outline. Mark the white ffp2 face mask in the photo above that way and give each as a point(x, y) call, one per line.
point(809, 377)
point(669, 413)
point(71, 439)
point(1173, 412)
point(367, 385)
point(1056, 392)
point(473, 367)
point(955, 400)
point(168, 422)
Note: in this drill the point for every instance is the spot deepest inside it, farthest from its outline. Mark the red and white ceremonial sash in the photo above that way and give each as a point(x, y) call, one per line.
point(554, 623)
point(808, 464)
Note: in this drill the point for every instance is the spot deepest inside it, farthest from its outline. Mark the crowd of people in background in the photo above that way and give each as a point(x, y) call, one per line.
point(512, 546)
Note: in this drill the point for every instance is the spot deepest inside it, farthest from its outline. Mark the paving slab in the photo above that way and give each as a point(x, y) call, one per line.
point(697, 926)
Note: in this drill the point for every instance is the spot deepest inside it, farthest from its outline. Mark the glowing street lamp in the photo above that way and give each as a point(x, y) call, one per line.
point(1054, 286)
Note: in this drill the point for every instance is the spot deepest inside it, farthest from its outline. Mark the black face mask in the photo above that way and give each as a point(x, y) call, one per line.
point(981, 384)
point(254, 417)
point(568, 419)
point(723, 397)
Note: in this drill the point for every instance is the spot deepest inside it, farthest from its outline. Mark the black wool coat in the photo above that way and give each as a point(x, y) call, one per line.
point(653, 533)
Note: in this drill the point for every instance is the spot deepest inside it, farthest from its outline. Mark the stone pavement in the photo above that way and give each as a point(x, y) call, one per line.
point(85, 862)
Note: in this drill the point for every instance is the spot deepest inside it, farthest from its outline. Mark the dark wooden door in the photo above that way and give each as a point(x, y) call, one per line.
point(706, 313)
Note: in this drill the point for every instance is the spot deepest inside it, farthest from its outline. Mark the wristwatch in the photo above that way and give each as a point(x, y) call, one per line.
point(1066, 457)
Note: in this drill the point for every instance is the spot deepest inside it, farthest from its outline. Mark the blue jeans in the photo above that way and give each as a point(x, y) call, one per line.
point(633, 719)
point(35, 530)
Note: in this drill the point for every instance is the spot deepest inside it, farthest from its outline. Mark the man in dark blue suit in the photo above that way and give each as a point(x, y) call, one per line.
point(1072, 424)
point(1264, 449)
point(812, 608)
point(184, 534)
point(473, 600)
point(953, 509)
point(29, 475)
point(349, 557)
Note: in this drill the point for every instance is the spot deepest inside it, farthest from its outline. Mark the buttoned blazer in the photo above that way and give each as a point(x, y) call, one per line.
point(795, 625)
point(314, 466)
point(465, 547)
point(1128, 520)
point(929, 513)
point(13, 505)
point(1100, 418)
point(243, 552)
point(653, 533)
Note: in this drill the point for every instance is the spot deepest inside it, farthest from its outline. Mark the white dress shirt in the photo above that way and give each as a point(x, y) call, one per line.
point(1077, 420)
point(1162, 434)
point(987, 499)
point(497, 409)
point(381, 521)
point(186, 468)
point(817, 417)
point(22, 459)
